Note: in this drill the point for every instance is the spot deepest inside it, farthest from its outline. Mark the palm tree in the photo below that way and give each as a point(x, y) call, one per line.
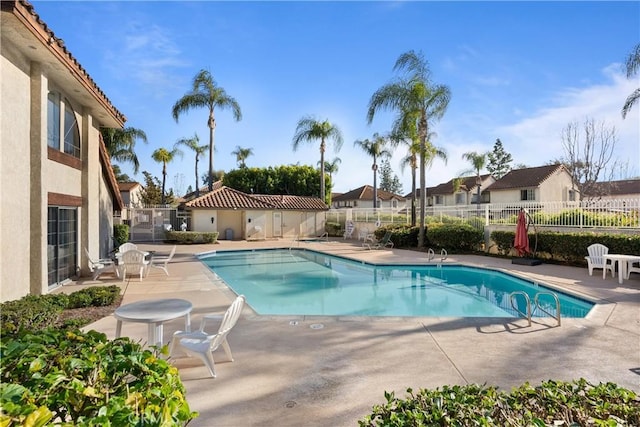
point(310, 129)
point(164, 156)
point(376, 148)
point(331, 167)
point(478, 162)
point(206, 93)
point(411, 160)
point(192, 143)
point(632, 64)
point(416, 99)
point(241, 155)
point(121, 143)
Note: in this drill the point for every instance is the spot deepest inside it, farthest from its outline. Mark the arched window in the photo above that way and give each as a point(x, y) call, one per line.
point(62, 128)
point(71, 131)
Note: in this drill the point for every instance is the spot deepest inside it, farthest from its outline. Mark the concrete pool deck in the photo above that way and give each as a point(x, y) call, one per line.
point(288, 373)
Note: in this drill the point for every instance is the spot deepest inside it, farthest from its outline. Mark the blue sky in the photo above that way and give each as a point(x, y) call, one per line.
point(518, 71)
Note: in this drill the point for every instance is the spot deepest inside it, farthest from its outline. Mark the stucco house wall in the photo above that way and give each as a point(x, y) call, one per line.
point(15, 209)
point(35, 177)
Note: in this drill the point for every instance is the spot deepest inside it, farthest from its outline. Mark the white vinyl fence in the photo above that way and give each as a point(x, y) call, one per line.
point(610, 213)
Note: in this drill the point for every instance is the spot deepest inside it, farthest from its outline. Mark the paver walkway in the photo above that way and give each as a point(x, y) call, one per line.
point(289, 374)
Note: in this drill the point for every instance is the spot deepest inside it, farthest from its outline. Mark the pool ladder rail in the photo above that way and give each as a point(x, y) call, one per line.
point(536, 300)
point(431, 254)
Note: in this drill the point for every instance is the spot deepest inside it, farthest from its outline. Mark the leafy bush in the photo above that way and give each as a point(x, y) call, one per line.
point(189, 237)
point(569, 248)
point(335, 229)
point(576, 403)
point(455, 237)
point(36, 312)
point(120, 233)
point(31, 312)
point(98, 296)
point(83, 379)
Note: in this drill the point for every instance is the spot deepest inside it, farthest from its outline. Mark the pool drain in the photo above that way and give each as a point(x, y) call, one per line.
point(317, 326)
point(290, 404)
point(293, 323)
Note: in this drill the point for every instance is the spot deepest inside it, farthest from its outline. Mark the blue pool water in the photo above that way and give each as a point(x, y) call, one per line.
point(304, 282)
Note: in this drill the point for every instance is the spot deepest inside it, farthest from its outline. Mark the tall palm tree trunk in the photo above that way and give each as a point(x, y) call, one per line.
point(413, 195)
point(164, 179)
point(212, 127)
point(423, 132)
point(322, 149)
point(374, 167)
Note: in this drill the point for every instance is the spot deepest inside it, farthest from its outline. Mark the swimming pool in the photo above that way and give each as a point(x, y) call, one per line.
point(305, 282)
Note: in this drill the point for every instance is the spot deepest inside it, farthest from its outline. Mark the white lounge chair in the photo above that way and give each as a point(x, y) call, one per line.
point(596, 260)
point(133, 261)
point(161, 261)
point(202, 344)
point(385, 242)
point(102, 265)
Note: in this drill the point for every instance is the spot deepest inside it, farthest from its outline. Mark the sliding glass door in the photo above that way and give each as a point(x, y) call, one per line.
point(62, 244)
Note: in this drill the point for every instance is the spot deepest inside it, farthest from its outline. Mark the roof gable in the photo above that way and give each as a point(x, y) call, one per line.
point(366, 193)
point(525, 178)
point(229, 198)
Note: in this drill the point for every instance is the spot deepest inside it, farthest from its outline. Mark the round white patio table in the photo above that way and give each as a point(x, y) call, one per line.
point(623, 263)
point(154, 312)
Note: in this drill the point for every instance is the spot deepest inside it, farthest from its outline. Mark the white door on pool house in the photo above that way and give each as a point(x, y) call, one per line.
point(277, 224)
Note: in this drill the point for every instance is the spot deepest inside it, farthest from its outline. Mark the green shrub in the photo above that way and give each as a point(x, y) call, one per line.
point(98, 296)
point(120, 233)
point(335, 229)
point(455, 237)
point(31, 312)
point(570, 248)
point(576, 403)
point(189, 237)
point(36, 312)
point(83, 379)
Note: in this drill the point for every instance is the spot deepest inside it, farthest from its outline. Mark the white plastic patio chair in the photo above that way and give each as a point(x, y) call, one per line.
point(102, 265)
point(596, 260)
point(348, 230)
point(632, 267)
point(133, 261)
point(161, 261)
point(127, 247)
point(202, 344)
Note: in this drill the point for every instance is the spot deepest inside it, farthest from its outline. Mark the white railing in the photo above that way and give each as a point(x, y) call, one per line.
point(604, 213)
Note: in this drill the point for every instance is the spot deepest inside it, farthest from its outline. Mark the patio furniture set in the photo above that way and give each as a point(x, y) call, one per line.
point(128, 259)
point(599, 257)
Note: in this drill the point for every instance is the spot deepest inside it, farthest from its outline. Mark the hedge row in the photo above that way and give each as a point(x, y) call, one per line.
point(576, 403)
point(189, 237)
point(570, 248)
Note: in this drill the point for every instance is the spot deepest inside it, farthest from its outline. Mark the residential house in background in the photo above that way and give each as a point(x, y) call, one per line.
point(622, 189)
point(362, 198)
point(58, 189)
point(550, 183)
point(459, 191)
point(131, 193)
point(237, 215)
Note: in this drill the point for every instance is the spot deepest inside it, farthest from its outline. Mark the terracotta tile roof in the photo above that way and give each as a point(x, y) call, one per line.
point(128, 186)
point(203, 190)
point(366, 193)
point(25, 12)
point(110, 177)
point(524, 178)
point(625, 187)
point(228, 198)
point(297, 203)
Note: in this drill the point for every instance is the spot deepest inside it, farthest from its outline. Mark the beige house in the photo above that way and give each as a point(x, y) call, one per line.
point(237, 215)
point(58, 189)
point(459, 191)
point(551, 183)
point(131, 193)
point(362, 198)
point(622, 189)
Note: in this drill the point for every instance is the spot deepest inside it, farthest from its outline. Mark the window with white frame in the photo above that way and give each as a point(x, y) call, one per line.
point(62, 127)
point(438, 200)
point(459, 198)
point(572, 195)
point(528, 194)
